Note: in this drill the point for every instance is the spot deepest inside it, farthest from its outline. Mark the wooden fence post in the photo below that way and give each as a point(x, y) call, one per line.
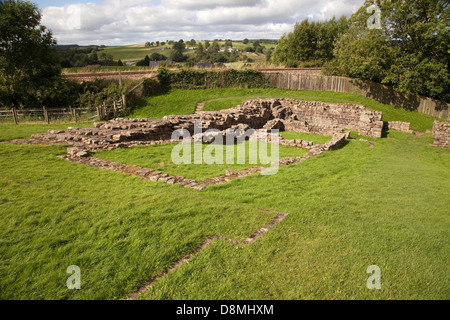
point(124, 102)
point(74, 110)
point(46, 115)
point(98, 113)
point(14, 114)
point(115, 109)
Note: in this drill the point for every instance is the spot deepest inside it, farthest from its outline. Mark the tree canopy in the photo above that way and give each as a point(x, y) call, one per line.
point(30, 71)
point(310, 41)
point(410, 51)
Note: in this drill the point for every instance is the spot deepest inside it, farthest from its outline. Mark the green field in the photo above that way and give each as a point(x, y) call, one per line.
point(348, 209)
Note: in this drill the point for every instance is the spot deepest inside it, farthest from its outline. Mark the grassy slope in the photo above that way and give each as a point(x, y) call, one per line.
point(185, 101)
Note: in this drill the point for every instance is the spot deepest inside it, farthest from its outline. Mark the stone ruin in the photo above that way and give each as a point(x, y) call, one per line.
point(441, 134)
point(283, 114)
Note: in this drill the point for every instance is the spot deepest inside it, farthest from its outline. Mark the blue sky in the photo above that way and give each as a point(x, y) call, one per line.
point(122, 22)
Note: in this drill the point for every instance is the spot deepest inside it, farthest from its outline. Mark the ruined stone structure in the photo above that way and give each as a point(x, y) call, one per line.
point(268, 114)
point(441, 134)
point(397, 126)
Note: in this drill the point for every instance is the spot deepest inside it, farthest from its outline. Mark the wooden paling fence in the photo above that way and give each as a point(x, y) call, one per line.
point(44, 114)
point(376, 91)
point(102, 112)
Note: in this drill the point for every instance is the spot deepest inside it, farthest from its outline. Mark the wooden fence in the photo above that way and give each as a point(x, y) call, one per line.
point(42, 114)
point(369, 89)
point(105, 111)
point(102, 112)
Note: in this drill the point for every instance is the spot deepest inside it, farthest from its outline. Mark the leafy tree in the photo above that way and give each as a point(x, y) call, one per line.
point(200, 52)
point(155, 56)
point(310, 41)
point(120, 63)
point(29, 65)
point(207, 44)
point(215, 46)
point(148, 44)
point(409, 52)
point(179, 46)
point(245, 41)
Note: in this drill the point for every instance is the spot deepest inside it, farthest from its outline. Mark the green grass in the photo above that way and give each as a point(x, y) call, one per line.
point(317, 139)
point(115, 228)
point(348, 209)
point(24, 131)
point(185, 101)
point(159, 158)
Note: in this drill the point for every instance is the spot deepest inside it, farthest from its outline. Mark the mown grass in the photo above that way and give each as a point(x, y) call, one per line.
point(348, 209)
point(185, 101)
point(119, 230)
point(317, 139)
point(160, 158)
point(24, 131)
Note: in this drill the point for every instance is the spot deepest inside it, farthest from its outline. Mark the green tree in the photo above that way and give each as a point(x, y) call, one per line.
point(200, 52)
point(245, 41)
point(310, 41)
point(120, 63)
point(409, 52)
point(29, 64)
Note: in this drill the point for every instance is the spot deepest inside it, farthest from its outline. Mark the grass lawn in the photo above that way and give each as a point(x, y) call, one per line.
point(348, 209)
point(185, 101)
point(24, 131)
point(159, 158)
point(317, 139)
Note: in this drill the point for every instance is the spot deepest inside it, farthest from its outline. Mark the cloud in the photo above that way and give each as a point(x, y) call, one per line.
point(118, 22)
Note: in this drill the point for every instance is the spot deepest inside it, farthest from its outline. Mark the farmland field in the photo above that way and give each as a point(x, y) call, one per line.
point(386, 205)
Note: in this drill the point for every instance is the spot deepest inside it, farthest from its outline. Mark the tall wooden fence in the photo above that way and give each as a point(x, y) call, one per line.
point(378, 92)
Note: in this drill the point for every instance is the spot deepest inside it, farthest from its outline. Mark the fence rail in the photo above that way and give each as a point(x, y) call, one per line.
point(102, 112)
point(376, 91)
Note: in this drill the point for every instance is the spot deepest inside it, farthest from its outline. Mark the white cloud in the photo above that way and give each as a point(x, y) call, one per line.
point(114, 22)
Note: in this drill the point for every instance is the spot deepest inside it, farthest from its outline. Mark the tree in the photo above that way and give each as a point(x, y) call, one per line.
point(245, 41)
point(120, 63)
point(29, 65)
point(148, 44)
point(310, 41)
point(200, 52)
point(409, 52)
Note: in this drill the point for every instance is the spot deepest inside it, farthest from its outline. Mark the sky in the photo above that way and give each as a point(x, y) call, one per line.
point(125, 22)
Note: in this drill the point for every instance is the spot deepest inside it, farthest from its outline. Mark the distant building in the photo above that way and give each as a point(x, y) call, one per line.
point(157, 63)
point(204, 65)
point(130, 63)
point(227, 49)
